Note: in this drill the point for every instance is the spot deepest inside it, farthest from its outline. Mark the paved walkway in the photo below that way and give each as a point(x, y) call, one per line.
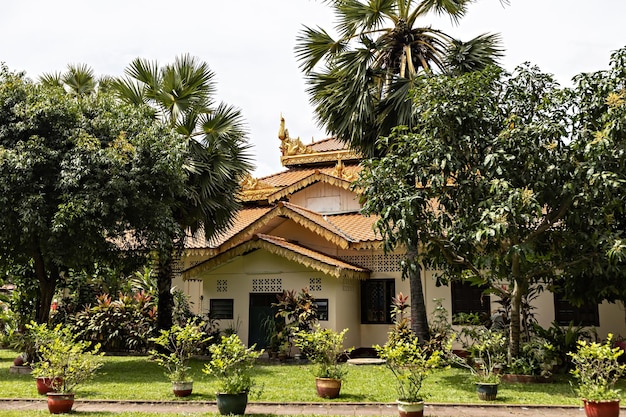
point(341, 409)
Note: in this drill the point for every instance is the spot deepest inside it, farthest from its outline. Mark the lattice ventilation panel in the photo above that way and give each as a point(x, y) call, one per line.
point(315, 284)
point(222, 285)
point(376, 263)
point(267, 285)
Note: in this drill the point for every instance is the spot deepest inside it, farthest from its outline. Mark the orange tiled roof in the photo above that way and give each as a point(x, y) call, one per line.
point(341, 229)
point(293, 175)
point(327, 145)
point(358, 227)
point(243, 219)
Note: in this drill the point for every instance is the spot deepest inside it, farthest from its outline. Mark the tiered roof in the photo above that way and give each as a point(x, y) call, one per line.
point(265, 207)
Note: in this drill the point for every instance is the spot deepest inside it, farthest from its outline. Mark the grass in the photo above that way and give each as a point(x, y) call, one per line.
point(137, 378)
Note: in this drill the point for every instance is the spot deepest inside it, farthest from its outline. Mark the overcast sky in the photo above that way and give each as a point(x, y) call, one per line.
point(249, 45)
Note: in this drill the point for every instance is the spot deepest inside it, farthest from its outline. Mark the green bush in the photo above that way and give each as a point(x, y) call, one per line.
point(125, 324)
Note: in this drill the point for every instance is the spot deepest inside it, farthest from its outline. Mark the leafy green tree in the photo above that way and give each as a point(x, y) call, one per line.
point(600, 132)
point(81, 182)
point(513, 181)
point(359, 82)
point(214, 137)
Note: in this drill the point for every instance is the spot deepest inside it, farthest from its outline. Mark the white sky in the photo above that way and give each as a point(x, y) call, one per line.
point(249, 45)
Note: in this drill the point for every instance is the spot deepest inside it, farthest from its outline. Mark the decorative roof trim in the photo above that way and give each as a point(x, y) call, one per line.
point(319, 157)
point(290, 251)
point(317, 176)
point(284, 209)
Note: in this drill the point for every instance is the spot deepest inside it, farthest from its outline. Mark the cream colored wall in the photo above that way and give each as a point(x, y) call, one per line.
point(344, 298)
point(346, 312)
point(260, 264)
point(326, 198)
point(611, 315)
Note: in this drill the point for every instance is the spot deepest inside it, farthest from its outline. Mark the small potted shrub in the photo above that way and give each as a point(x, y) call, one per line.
point(409, 361)
point(597, 369)
point(178, 345)
point(232, 364)
point(324, 347)
point(487, 354)
point(40, 335)
point(68, 362)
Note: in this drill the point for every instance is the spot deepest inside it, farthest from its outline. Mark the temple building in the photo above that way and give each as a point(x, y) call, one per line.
point(301, 228)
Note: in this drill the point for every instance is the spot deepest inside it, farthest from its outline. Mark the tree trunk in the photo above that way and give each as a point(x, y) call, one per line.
point(419, 316)
point(165, 305)
point(47, 286)
point(516, 303)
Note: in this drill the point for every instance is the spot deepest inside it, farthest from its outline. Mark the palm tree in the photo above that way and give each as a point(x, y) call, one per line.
point(362, 89)
point(360, 82)
point(181, 95)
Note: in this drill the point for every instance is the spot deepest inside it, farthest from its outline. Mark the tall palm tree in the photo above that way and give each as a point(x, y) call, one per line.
point(181, 95)
point(359, 83)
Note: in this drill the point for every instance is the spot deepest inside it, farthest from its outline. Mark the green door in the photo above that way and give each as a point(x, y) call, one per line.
point(260, 309)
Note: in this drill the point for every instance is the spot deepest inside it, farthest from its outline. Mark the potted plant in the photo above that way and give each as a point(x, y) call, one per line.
point(68, 362)
point(324, 347)
point(487, 354)
point(178, 345)
point(40, 335)
point(597, 369)
point(231, 364)
point(410, 363)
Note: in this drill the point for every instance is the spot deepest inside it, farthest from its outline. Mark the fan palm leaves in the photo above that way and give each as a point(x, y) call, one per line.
point(182, 96)
point(78, 80)
point(359, 82)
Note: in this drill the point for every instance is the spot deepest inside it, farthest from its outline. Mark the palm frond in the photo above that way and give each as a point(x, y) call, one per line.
point(79, 80)
point(52, 79)
point(454, 9)
point(314, 45)
point(475, 54)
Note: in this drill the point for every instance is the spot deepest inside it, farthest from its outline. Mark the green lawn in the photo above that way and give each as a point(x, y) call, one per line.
point(136, 378)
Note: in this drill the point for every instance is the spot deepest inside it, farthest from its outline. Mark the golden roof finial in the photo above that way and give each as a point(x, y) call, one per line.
point(282, 132)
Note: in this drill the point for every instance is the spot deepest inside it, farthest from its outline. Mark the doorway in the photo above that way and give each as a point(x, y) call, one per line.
point(260, 309)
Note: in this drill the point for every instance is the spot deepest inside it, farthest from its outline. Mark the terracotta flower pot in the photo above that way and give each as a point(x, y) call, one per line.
point(46, 385)
point(328, 387)
point(608, 408)
point(60, 403)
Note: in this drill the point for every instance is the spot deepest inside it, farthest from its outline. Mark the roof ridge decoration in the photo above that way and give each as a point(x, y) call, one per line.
point(294, 152)
point(255, 189)
point(340, 171)
point(289, 146)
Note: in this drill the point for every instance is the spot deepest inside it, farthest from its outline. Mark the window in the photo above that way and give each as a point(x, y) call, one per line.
point(221, 308)
point(468, 298)
point(322, 309)
point(376, 296)
point(585, 315)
